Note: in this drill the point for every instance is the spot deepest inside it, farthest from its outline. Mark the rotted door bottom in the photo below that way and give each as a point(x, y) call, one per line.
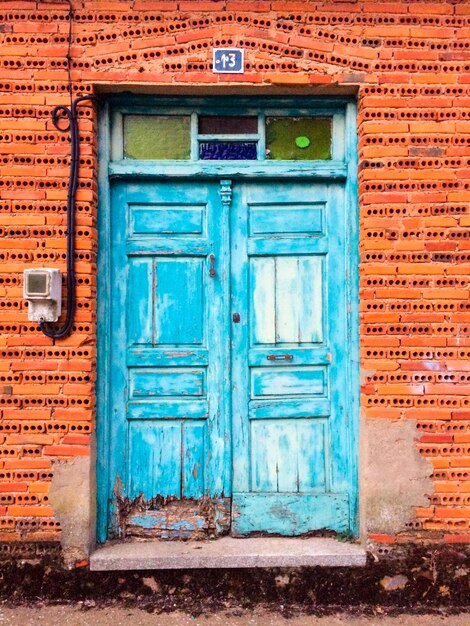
point(174, 518)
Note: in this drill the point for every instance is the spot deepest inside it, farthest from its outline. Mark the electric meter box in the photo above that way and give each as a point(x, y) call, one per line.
point(43, 289)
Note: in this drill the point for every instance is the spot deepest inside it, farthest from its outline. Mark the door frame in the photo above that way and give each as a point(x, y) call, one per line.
point(109, 168)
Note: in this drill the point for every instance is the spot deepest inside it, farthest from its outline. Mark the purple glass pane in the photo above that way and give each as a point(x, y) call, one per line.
point(223, 125)
point(227, 151)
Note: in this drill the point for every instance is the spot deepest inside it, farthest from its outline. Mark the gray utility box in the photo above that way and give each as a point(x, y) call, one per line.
point(42, 287)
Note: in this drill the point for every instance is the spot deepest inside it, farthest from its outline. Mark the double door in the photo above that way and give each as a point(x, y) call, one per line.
point(228, 388)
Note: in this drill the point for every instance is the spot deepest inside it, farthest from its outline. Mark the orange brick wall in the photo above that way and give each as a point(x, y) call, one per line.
point(410, 60)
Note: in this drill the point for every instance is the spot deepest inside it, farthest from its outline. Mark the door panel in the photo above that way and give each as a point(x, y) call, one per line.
point(289, 428)
point(288, 456)
point(179, 292)
point(170, 351)
point(289, 514)
point(286, 299)
point(294, 381)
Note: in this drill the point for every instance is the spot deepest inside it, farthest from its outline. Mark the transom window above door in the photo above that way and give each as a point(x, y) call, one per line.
point(197, 136)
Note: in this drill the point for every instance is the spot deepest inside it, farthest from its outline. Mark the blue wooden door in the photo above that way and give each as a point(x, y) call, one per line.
point(229, 406)
point(170, 413)
point(290, 364)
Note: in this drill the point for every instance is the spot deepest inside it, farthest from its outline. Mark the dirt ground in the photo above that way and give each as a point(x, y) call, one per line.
point(419, 586)
point(82, 615)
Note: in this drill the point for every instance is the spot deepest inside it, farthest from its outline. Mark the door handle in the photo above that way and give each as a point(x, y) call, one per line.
point(280, 357)
point(212, 265)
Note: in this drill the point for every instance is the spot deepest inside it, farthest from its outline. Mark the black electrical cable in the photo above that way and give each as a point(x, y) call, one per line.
point(58, 115)
point(69, 51)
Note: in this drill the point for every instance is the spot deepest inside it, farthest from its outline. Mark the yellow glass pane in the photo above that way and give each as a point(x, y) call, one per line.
point(159, 137)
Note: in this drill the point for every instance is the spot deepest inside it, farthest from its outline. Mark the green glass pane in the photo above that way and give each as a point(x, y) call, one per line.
point(158, 137)
point(298, 138)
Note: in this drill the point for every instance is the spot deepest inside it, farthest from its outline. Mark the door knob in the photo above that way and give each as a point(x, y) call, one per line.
point(236, 318)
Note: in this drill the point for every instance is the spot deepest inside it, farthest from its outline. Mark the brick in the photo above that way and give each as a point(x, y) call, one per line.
point(430, 9)
point(311, 44)
point(39, 488)
point(432, 32)
point(13, 487)
point(63, 450)
point(400, 390)
point(30, 439)
point(27, 414)
point(382, 413)
point(458, 538)
point(49, 390)
point(320, 79)
point(438, 438)
point(236, 5)
point(82, 440)
point(286, 79)
point(30, 511)
point(425, 512)
point(34, 365)
point(18, 464)
point(447, 512)
point(381, 538)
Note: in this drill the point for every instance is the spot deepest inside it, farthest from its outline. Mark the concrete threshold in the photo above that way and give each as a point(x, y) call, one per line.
point(227, 552)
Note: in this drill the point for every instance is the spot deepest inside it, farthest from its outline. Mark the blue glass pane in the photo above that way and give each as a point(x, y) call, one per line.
point(227, 151)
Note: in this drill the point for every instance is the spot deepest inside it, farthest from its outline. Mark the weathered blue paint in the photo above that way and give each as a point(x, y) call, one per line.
point(178, 391)
point(155, 520)
point(352, 275)
point(146, 521)
point(105, 504)
point(169, 424)
point(325, 170)
point(285, 221)
point(299, 514)
point(295, 381)
point(164, 382)
point(289, 433)
point(163, 220)
point(265, 409)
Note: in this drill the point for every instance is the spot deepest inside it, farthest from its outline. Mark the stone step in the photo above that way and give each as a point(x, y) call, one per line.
point(228, 552)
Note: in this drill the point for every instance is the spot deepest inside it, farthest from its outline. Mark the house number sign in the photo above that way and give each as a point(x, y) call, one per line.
point(228, 61)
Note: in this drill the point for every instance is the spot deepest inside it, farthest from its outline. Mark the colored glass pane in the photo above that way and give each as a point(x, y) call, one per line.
point(159, 137)
point(298, 138)
point(227, 151)
point(227, 125)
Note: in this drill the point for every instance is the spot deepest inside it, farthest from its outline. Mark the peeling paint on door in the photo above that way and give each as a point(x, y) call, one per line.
point(174, 518)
